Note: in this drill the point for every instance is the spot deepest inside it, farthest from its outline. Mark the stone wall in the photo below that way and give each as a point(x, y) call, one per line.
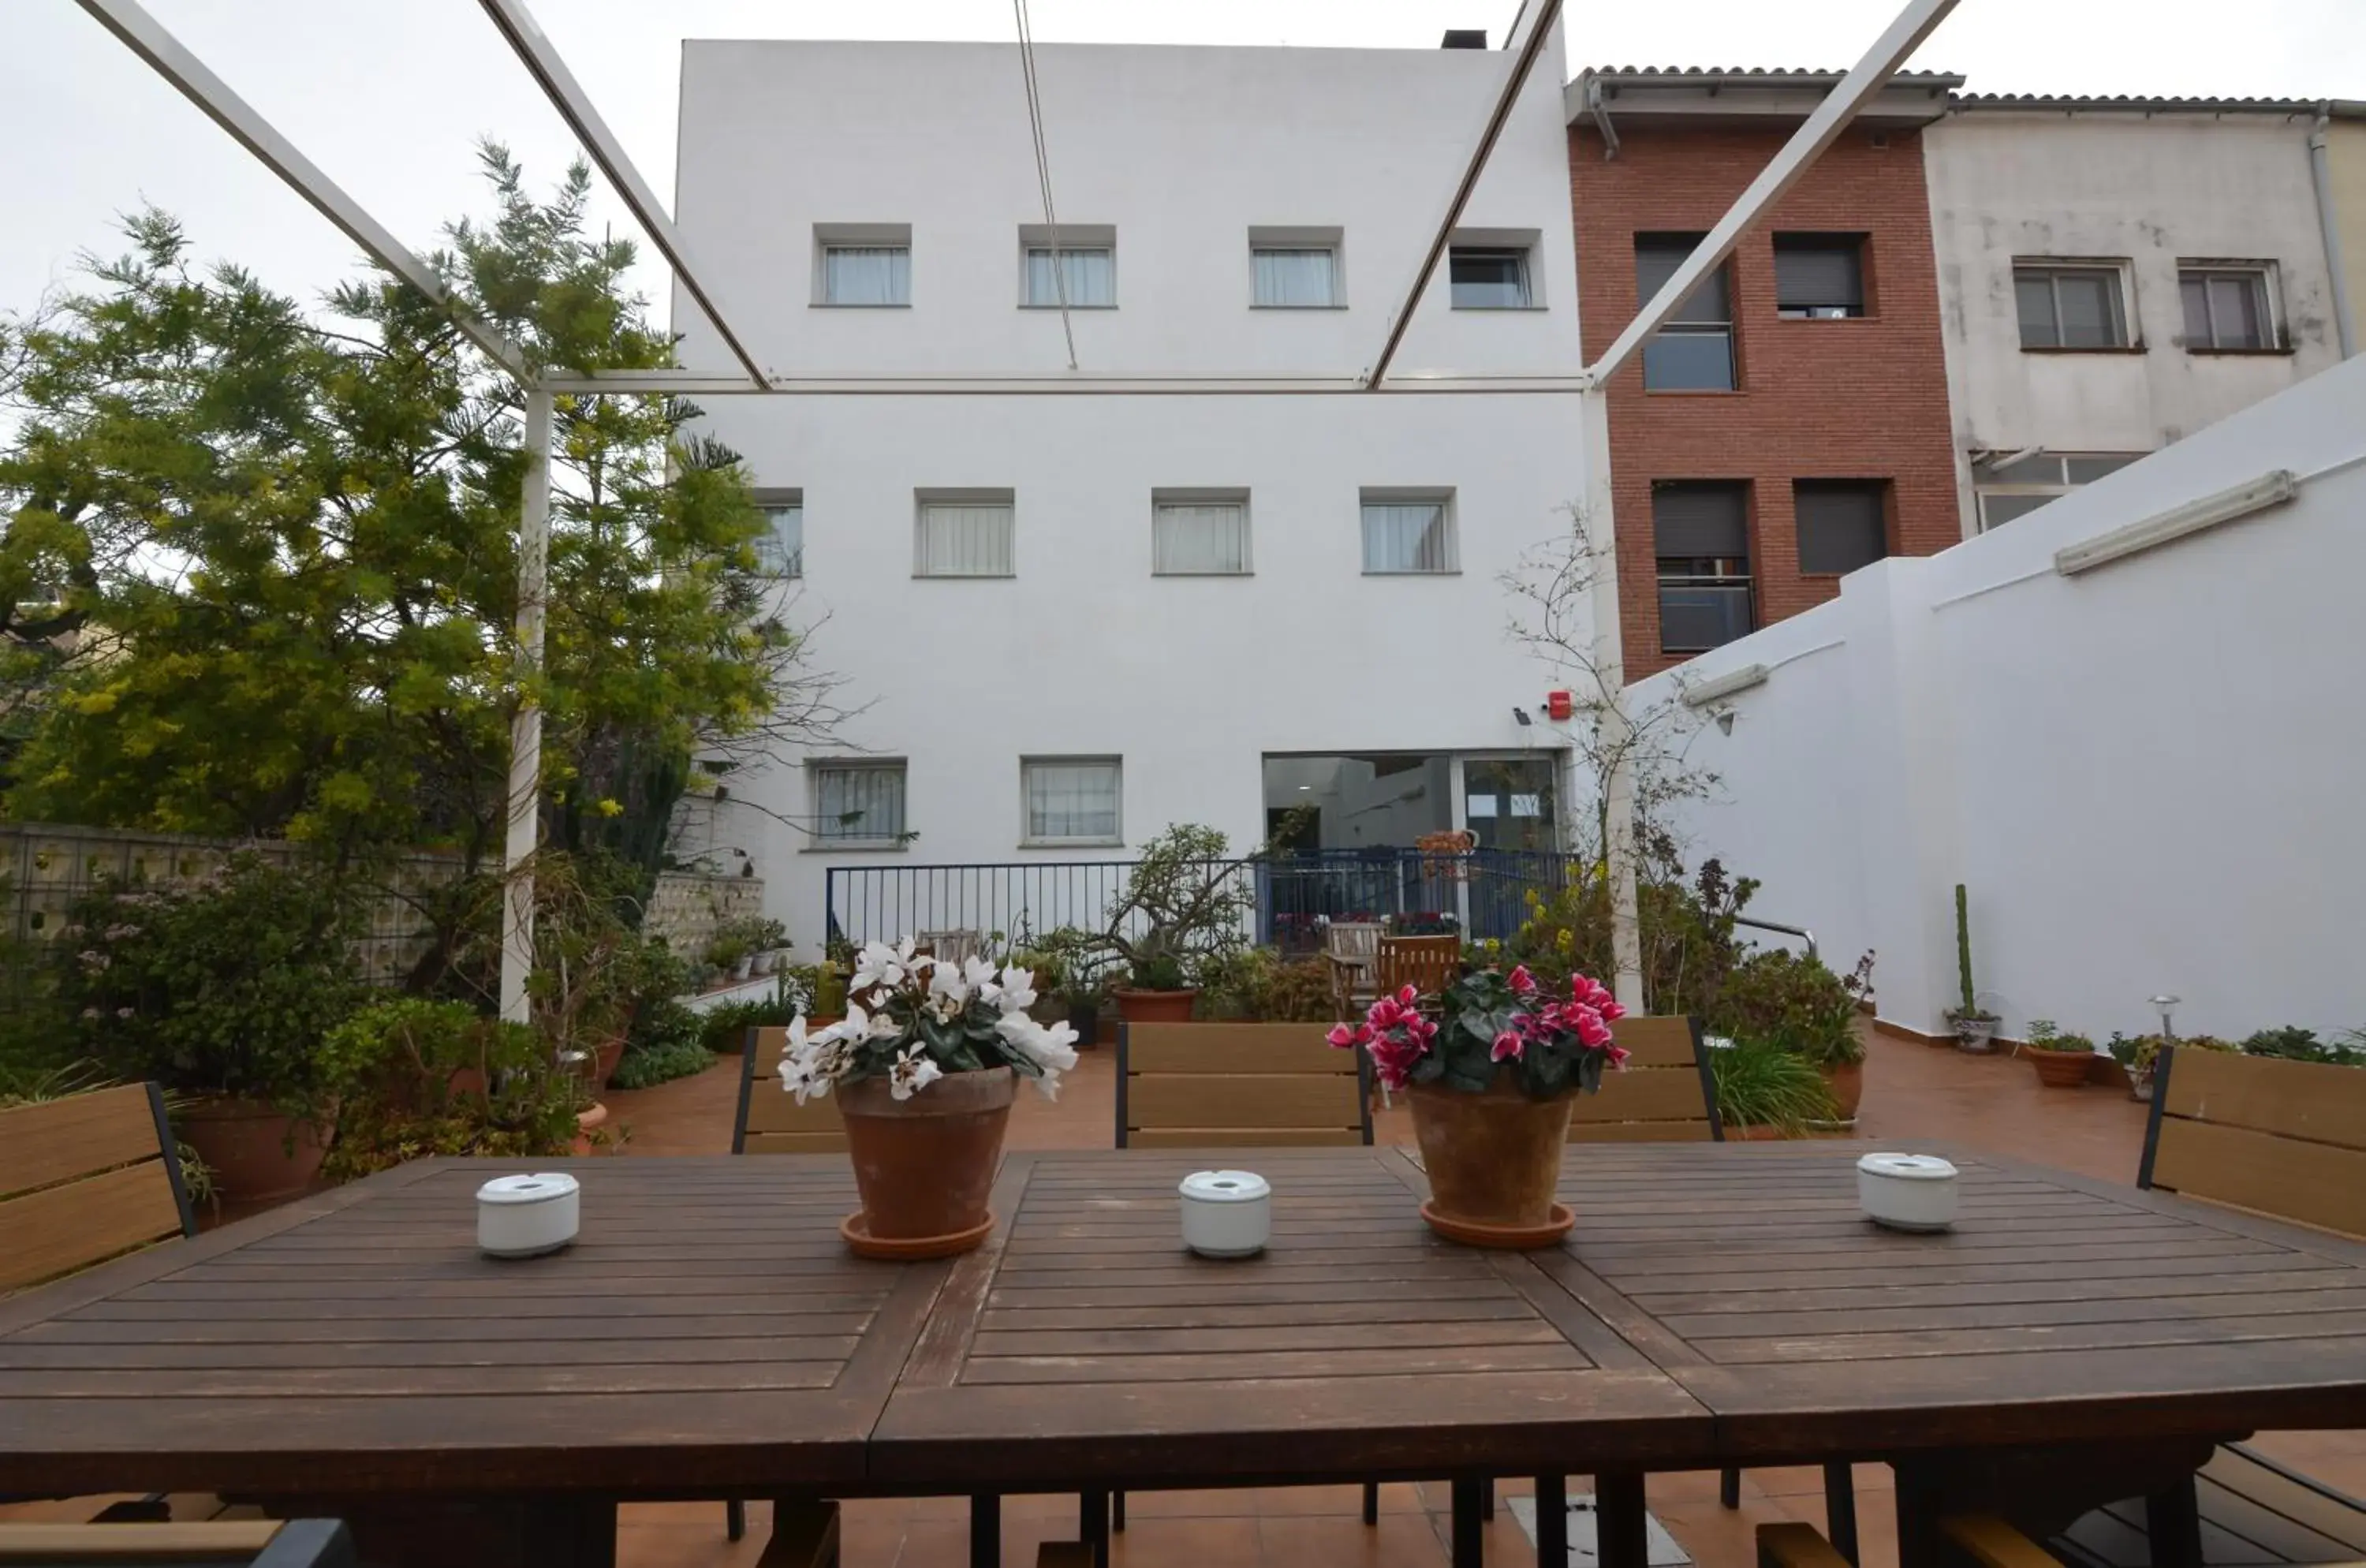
point(686, 906)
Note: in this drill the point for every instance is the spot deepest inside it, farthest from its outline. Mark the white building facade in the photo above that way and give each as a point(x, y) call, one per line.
point(2116, 274)
point(1071, 620)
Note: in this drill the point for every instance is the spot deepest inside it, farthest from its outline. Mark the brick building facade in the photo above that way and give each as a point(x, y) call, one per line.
point(1800, 415)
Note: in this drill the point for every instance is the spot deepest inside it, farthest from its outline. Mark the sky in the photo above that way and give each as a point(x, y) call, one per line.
point(389, 97)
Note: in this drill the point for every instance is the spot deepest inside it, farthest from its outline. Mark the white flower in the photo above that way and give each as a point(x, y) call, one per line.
point(912, 1072)
point(810, 1065)
point(949, 989)
point(880, 964)
point(1017, 992)
point(1053, 1050)
point(977, 974)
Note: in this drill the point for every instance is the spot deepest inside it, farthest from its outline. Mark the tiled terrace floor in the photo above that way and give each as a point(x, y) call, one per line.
point(1912, 1090)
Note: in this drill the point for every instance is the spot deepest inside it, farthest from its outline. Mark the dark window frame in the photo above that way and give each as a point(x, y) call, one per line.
point(1674, 248)
point(1855, 303)
point(1881, 492)
point(1727, 576)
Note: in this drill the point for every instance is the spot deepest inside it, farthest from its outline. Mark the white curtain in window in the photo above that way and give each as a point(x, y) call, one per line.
point(1295, 276)
point(1408, 535)
point(965, 539)
point(1091, 277)
point(781, 549)
point(867, 274)
point(1072, 800)
point(864, 802)
point(1201, 538)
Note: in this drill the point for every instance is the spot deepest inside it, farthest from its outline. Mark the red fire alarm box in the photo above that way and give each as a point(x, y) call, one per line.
point(1559, 705)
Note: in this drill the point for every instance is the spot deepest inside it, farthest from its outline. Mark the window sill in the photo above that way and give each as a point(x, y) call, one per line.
point(1072, 843)
point(856, 847)
point(849, 305)
point(1337, 306)
point(1452, 572)
point(1867, 318)
point(2241, 353)
point(1217, 574)
point(964, 577)
point(1693, 392)
point(1054, 305)
point(1502, 310)
point(2041, 348)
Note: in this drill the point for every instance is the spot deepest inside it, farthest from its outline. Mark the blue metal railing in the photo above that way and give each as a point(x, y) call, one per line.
point(1483, 893)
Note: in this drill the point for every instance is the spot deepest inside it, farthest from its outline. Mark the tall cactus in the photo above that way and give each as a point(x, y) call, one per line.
point(1964, 948)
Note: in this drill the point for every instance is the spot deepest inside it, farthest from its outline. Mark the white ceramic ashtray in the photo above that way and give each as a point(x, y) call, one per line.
point(1226, 1213)
point(525, 1216)
point(1906, 1192)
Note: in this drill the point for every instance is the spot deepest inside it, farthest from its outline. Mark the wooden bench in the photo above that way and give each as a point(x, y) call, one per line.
point(233, 1543)
point(1237, 1084)
point(769, 1121)
point(1666, 1095)
point(84, 1179)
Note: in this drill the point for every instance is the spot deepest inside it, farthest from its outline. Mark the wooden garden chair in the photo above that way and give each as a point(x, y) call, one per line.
point(1352, 950)
point(83, 1179)
point(1427, 963)
point(1234, 1086)
point(771, 1122)
point(218, 1543)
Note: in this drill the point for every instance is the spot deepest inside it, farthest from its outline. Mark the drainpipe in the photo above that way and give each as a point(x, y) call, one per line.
point(2321, 174)
point(1601, 111)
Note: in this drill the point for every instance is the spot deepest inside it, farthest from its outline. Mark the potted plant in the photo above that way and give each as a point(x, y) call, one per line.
point(1793, 1002)
point(768, 942)
point(1766, 1091)
point(1183, 902)
point(1490, 1082)
point(2061, 1060)
point(926, 1061)
point(220, 989)
point(729, 950)
point(1975, 1026)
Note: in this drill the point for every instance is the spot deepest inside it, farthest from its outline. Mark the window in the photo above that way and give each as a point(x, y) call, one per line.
point(1693, 353)
point(1843, 523)
point(863, 263)
point(964, 535)
point(1488, 277)
point(2227, 308)
point(781, 549)
point(1701, 534)
point(1071, 800)
point(1819, 277)
point(1294, 269)
point(1200, 534)
point(1408, 532)
point(2071, 305)
point(1086, 266)
point(858, 803)
point(2009, 485)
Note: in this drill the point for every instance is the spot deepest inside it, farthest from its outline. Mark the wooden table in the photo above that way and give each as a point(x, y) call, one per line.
point(708, 1336)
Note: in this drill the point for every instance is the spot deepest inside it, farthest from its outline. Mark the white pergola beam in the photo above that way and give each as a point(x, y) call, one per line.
point(170, 59)
point(692, 384)
point(542, 60)
point(1515, 80)
point(1819, 131)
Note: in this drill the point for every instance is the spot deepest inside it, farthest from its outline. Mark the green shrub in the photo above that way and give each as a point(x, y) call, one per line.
point(401, 1053)
point(1761, 1084)
point(1686, 929)
point(2293, 1044)
point(2046, 1035)
point(1793, 1001)
point(1258, 984)
point(224, 985)
point(668, 1040)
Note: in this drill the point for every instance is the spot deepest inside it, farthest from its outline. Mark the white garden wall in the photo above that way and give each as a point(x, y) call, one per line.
point(2148, 775)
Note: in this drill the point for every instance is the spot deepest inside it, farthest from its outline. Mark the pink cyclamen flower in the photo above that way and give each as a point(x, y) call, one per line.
point(1591, 1031)
point(1618, 1055)
point(1345, 1036)
point(1521, 980)
point(1408, 995)
point(1509, 1047)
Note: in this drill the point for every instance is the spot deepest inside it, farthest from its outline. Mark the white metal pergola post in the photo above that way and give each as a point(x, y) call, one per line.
point(156, 46)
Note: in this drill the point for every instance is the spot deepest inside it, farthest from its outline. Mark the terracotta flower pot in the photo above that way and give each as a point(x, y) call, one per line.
point(586, 1123)
point(924, 1166)
point(2061, 1069)
point(1154, 1006)
point(1846, 1081)
point(605, 1060)
point(246, 1145)
point(1493, 1161)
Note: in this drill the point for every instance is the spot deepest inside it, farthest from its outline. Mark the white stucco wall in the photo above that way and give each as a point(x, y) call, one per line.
point(1083, 652)
point(2146, 776)
point(2147, 190)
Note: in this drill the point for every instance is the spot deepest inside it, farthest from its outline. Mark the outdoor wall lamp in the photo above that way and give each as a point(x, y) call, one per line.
point(1520, 717)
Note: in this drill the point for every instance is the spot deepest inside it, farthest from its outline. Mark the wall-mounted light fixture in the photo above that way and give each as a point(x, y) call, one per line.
point(2269, 490)
point(1702, 694)
point(1520, 717)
